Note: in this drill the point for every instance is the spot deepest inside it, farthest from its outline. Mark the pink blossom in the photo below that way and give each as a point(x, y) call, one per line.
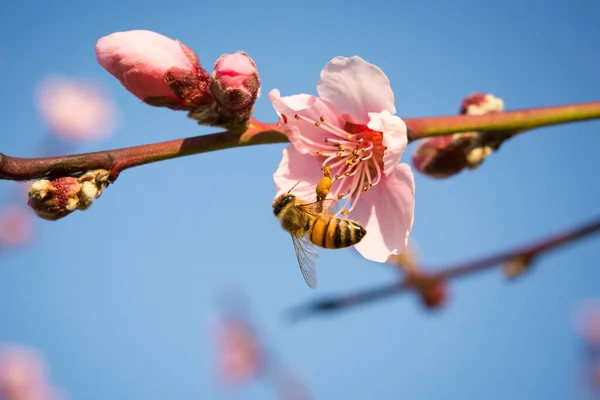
point(351, 127)
point(157, 69)
point(23, 375)
point(15, 225)
point(239, 352)
point(75, 110)
point(235, 81)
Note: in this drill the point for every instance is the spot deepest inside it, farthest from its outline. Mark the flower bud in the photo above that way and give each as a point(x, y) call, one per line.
point(160, 71)
point(444, 156)
point(480, 104)
point(57, 198)
point(235, 82)
point(434, 294)
point(440, 156)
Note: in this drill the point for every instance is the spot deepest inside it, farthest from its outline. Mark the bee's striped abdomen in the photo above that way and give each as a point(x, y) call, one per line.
point(318, 235)
point(336, 233)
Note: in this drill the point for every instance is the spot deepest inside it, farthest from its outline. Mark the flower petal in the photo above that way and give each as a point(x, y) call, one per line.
point(294, 167)
point(356, 87)
point(306, 137)
point(394, 137)
point(387, 213)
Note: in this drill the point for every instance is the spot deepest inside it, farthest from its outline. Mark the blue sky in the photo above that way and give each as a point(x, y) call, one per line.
point(121, 298)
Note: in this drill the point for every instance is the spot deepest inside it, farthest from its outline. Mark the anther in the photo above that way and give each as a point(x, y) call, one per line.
point(320, 153)
point(360, 140)
point(339, 154)
point(349, 163)
point(337, 176)
point(297, 116)
point(366, 187)
point(355, 152)
point(345, 212)
point(284, 118)
point(350, 136)
point(326, 140)
point(347, 173)
point(317, 124)
point(340, 196)
point(322, 118)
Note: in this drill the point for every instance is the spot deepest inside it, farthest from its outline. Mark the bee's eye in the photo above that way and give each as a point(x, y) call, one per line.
point(288, 199)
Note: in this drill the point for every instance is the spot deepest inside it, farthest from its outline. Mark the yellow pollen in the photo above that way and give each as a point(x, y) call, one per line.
point(317, 124)
point(350, 136)
point(345, 212)
point(355, 151)
point(366, 188)
point(347, 173)
point(322, 118)
point(320, 153)
point(339, 154)
point(349, 162)
point(297, 116)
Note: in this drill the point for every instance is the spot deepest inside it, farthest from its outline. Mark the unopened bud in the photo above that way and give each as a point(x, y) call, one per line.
point(480, 104)
point(158, 70)
point(57, 198)
point(432, 291)
point(235, 82)
point(440, 157)
point(444, 156)
point(434, 294)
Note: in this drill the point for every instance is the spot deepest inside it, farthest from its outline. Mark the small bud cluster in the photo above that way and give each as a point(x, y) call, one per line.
point(55, 199)
point(432, 291)
point(164, 72)
point(444, 156)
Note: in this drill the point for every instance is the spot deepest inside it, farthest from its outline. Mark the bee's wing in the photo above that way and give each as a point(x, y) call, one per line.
point(307, 257)
point(318, 207)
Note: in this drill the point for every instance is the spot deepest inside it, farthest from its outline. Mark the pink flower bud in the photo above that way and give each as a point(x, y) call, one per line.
point(440, 157)
point(235, 82)
point(160, 71)
point(444, 156)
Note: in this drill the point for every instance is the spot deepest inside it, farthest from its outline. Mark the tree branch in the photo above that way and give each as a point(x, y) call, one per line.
point(529, 253)
point(19, 169)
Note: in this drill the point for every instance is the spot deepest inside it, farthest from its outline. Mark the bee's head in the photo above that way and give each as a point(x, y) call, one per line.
point(280, 202)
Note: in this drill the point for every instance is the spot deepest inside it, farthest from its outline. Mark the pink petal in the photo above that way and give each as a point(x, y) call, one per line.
point(295, 167)
point(140, 59)
point(394, 137)
point(301, 132)
point(387, 213)
point(356, 87)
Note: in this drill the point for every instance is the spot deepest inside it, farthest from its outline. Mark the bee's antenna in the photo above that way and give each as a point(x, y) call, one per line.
point(293, 187)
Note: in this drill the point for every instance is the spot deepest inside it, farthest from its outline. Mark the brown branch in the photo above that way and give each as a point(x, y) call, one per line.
point(19, 169)
point(529, 252)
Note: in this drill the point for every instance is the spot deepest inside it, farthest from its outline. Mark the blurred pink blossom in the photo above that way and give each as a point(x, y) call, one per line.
point(23, 375)
point(75, 110)
point(155, 68)
point(239, 352)
point(15, 225)
point(587, 320)
point(351, 127)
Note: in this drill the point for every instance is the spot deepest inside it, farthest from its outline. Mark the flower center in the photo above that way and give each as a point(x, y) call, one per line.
point(354, 155)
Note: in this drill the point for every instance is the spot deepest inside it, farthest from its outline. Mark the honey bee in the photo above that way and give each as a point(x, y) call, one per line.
point(311, 225)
